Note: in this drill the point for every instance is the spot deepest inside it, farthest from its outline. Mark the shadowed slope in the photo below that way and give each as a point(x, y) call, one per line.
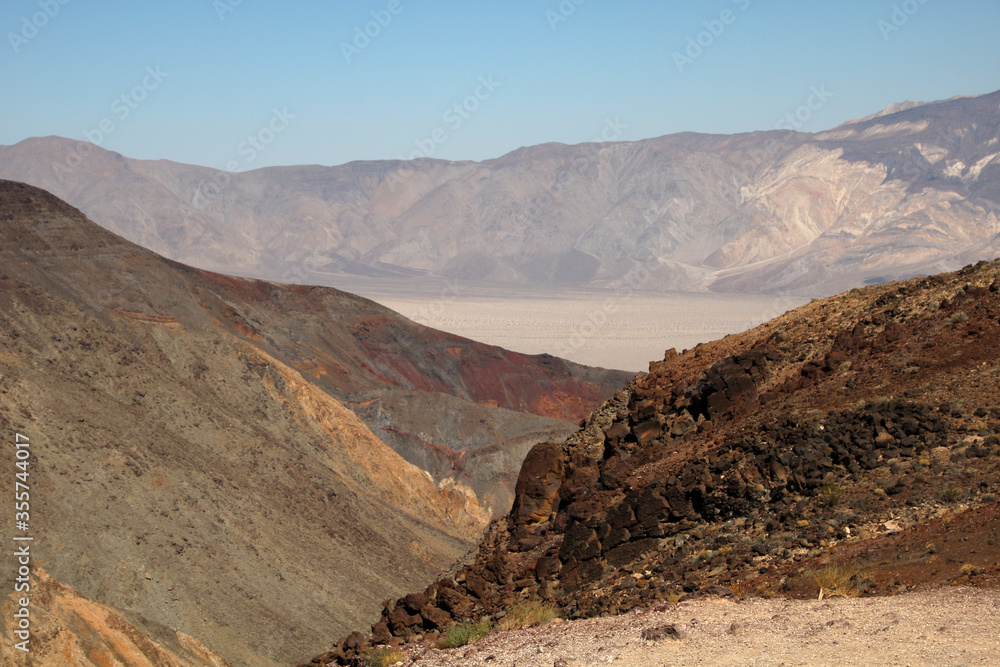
point(193, 468)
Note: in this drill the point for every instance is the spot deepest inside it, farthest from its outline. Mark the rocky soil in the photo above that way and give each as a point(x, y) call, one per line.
point(850, 446)
point(951, 626)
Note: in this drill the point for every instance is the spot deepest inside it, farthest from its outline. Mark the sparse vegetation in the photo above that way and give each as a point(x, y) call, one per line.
point(525, 614)
point(741, 587)
point(383, 657)
point(467, 632)
point(704, 555)
point(830, 494)
point(835, 579)
point(958, 318)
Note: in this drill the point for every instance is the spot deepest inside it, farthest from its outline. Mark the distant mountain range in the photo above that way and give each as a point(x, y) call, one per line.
point(911, 190)
point(248, 464)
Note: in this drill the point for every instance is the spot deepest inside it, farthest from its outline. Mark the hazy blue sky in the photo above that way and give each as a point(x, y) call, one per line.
point(193, 80)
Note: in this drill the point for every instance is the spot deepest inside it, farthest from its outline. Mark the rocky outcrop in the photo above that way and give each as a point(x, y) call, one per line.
point(738, 465)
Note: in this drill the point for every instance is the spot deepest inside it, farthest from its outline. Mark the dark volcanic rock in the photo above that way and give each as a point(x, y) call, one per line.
point(849, 421)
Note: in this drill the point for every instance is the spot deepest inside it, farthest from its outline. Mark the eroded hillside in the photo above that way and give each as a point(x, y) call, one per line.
point(196, 465)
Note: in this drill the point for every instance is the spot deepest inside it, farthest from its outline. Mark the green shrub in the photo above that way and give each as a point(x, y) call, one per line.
point(830, 494)
point(467, 632)
point(525, 614)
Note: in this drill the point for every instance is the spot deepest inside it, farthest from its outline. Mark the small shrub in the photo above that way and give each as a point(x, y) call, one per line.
point(741, 587)
point(525, 614)
point(830, 494)
point(836, 579)
point(467, 632)
point(958, 318)
point(383, 657)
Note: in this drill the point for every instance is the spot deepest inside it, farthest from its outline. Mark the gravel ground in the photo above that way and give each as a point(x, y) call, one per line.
point(949, 626)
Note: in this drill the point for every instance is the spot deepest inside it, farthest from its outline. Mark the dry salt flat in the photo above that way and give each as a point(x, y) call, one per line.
point(599, 328)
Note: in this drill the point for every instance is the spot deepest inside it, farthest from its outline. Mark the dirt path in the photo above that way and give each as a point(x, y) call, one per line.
point(950, 626)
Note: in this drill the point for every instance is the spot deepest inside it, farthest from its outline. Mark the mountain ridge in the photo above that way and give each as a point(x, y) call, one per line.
point(772, 211)
point(856, 434)
point(198, 466)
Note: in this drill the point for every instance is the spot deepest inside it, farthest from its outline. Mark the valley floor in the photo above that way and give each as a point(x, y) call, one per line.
point(594, 327)
point(948, 626)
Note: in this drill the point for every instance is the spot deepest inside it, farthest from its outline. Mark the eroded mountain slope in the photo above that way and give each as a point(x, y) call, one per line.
point(194, 466)
point(68, 630)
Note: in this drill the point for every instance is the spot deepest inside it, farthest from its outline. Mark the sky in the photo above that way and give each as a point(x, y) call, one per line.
point(243, 84)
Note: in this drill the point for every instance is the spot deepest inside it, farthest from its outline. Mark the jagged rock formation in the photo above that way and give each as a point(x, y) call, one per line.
point(890, 196)
point(198, 466)
point(856, 426)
